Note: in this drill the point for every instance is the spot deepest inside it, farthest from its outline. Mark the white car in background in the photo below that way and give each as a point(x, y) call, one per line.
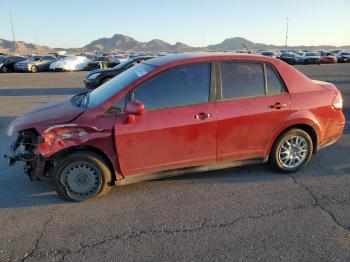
point(70, 63)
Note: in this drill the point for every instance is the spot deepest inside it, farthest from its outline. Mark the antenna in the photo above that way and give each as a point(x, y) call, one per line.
point(246, 48)
point(286, 42)
point(13, 31)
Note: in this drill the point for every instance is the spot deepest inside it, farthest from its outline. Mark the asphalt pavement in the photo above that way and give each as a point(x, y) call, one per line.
point(239, 214)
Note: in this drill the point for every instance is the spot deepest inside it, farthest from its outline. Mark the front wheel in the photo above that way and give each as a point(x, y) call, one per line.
point(4, 69)
point(34, 69)
point(291, 151)
point(81, 176)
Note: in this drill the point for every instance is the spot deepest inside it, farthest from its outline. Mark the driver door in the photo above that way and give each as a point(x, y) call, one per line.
point(178, 128)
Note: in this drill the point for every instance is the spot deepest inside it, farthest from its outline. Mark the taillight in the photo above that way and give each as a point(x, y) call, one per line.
point(338, 102)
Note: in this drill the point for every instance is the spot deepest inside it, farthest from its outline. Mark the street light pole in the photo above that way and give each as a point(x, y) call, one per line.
point(286, 42)
point(13, 31)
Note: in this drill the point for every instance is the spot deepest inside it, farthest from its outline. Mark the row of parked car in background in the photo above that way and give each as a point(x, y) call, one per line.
point(294, 57)
point(62, 62)
point(87, 61)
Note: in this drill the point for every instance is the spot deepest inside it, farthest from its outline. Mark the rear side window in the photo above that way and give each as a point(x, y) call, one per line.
point(274, 84)
point(242, 79)
point(178, 86)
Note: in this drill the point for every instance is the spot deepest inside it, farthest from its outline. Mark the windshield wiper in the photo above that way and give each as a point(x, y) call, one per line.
point(86, 99)
point(78, 100)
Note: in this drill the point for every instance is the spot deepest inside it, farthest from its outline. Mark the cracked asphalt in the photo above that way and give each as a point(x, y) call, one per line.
point(240, 214)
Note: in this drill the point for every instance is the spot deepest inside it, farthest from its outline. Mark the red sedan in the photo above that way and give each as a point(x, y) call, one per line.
point(179, 114)
point(328, 58)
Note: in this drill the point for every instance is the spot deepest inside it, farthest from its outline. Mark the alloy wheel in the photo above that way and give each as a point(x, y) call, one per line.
point(293, 152)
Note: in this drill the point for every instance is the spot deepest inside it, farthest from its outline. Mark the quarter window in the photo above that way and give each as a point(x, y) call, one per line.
point(274, 84)
point(119, 107)
point(242, 79)
point(178, 86)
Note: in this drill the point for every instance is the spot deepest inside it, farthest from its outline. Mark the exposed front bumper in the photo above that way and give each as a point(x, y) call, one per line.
point(24, 150)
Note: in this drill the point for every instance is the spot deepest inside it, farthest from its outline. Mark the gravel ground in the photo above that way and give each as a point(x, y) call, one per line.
point(239, 214)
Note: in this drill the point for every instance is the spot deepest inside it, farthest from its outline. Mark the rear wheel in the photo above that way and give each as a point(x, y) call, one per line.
point(81, 176)
point(34, 69)
point(291, 151)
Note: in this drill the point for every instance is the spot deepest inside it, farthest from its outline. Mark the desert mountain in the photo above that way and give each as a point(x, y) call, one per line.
point(125, 43)
point(8, 47)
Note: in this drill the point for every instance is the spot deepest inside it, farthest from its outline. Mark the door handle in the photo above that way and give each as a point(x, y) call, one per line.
point(278, 105)
point(202, 116)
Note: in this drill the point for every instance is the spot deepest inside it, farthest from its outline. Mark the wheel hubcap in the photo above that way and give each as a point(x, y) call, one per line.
point(293, 151)
point(82, 180)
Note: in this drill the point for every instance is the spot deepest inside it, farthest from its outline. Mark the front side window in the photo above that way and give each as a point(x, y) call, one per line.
point(242, 79)
point(178, 86)
point(273, 82)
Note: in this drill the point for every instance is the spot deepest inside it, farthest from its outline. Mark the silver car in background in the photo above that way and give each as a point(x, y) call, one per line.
point(35, 64)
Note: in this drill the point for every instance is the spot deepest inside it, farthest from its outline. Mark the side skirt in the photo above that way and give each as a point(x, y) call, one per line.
point(187, 170)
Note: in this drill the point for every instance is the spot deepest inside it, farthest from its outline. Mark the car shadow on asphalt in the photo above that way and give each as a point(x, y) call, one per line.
point(17, 191)
point(41, 91)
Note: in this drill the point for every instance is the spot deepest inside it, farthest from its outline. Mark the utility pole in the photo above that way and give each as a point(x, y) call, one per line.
point(286, 42)
point(202, 39)
point(13, 31)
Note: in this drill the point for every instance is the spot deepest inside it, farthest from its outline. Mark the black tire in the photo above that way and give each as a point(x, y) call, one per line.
point(105, 80)
point(34, 69)
point(4, 69)
point(78, 170)
point(276, 159)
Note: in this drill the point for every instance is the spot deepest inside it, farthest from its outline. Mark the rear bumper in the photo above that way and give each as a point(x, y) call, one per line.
point(334, 132)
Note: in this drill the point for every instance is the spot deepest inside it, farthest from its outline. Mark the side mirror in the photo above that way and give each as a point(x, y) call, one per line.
point(132, 109)
point(135, 107)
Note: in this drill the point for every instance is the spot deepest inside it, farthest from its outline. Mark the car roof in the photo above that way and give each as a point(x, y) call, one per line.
point(202, 56)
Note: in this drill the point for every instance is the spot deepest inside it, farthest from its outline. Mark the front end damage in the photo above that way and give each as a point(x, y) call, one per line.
point(25, 150)
point(37, 150)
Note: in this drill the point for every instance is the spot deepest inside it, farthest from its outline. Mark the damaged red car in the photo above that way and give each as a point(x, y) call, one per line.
point(179, 114)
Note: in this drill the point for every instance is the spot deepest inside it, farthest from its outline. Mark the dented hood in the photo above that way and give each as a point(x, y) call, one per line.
point(57, 112)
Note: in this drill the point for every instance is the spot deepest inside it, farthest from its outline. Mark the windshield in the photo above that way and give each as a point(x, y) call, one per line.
point(311, 54)
point(112, 87)
point(345, 53)
point(34, 58)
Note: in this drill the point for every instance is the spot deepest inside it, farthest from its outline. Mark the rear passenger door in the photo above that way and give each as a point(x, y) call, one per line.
point(253, 103)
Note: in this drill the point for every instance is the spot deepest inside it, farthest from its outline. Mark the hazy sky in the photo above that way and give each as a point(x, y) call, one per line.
point(74, 23)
